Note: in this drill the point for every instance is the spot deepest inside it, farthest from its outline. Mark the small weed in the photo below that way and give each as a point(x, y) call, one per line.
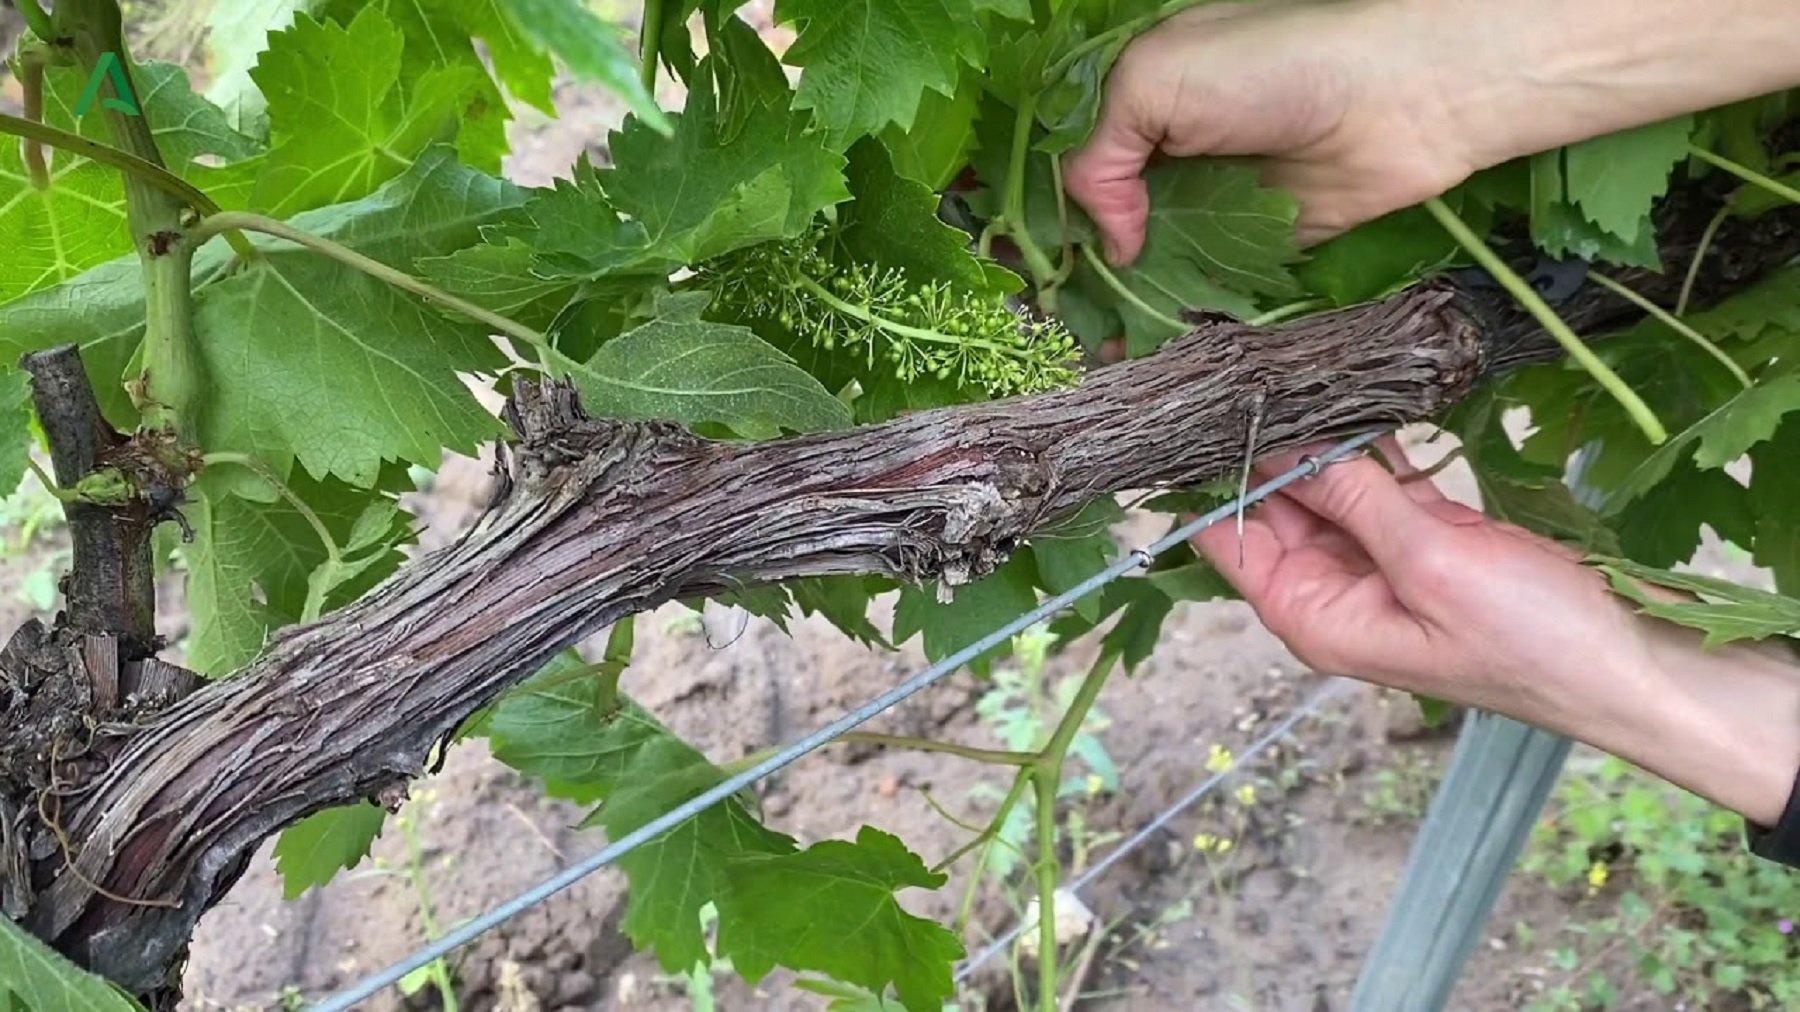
point(1669, 900)
point(1402, 791)
point(29, 519)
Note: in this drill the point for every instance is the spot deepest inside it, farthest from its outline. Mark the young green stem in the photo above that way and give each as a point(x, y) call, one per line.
point(1547, 318)
point(1748, 175)
point(334, 556)
point(1046, 775)
point(173, 376)
point(249, 222)
point(1049, 872)
point(1673, 323)
point(31, 149)
point(1113, 282)
point(36, 19)
point(992, 757)
point(649, 37)
point(1693, 271)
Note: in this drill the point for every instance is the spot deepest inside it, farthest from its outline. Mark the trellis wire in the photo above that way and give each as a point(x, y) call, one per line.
point(1322, 695)
point(462, 935)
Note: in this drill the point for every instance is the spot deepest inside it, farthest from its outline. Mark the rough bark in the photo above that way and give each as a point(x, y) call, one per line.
point(601, 519)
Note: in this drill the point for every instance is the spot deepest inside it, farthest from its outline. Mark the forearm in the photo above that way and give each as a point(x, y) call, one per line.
point(1723, 723)
point(1522, 76)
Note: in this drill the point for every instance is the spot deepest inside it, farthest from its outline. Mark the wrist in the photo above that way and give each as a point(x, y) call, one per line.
point(1526, 76)
point(1723, 723)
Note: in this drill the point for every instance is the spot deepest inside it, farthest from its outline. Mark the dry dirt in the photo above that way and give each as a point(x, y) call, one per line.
point(1281, 921)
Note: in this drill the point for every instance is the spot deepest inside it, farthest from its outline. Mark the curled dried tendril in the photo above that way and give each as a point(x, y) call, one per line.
point(919, 328)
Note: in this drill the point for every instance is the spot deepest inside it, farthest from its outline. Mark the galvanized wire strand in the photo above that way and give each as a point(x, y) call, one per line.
point(1136, 558)
point(1334, 687)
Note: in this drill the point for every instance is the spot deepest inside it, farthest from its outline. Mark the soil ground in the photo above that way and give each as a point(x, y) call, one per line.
point(1281, 922)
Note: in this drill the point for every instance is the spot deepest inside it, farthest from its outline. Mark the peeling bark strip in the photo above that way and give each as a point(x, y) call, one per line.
point(601, 519)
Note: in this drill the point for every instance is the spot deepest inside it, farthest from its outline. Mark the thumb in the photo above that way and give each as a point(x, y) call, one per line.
point(1104, 177)
point(1362, 499)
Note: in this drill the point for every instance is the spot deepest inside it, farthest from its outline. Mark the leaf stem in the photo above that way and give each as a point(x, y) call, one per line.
point(334, 556)
point(1049, 871)
point(1748, 175)
point(35, 19)
point(1046, 775)
point(1547, 318)
point(1292, 309)
point(250, 222)
point(1113, 282)
point(992, 757)
point(30, 67)
point(1673, 323)
point(649, 39)
point(1693, 271)
point(33, 131)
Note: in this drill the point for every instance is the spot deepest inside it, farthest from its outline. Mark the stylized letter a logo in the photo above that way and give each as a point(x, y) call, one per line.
point(120, 100)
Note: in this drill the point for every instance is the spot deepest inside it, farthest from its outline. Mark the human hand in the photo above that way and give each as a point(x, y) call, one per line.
point(1340, 98)
point(1364, 575)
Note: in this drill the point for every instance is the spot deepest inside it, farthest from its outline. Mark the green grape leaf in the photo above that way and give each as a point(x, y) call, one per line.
point(566, 724)
point(588, 45)
point(1216, 240)
point(695, 196)
point(1725, 611)
point(692, 864)
point(15, 429)
point(439, 35)
point(236, 34)
point(936, 149)
point(1220, 221)
point(975, 610)
point(866, 62)
point(384, 363)
point(1722, 436)
point(681, 367)
point(1569, 409)
point(251, 564)
point(500, 275)
point(1616, 177)
point(53, 235)
point(575, 233)
point(336, 144)
point(1380, 257)
point(229, 624)
point(1769, 308)
point(102, 311)
point(844, 602)
point(1774, 488)
point(1560, 229)
point(1662, 526)
point(1142, 606)
point(892, 221)
point(44, 980)
point(518, 61)
point(832, 908)
point(312, 851)
point(1076, 550)
point(1519, 491)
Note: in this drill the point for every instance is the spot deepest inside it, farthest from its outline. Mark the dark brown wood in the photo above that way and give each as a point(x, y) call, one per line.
point(601, 519)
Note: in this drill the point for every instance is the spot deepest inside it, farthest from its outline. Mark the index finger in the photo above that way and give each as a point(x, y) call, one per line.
point(1105, 177)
